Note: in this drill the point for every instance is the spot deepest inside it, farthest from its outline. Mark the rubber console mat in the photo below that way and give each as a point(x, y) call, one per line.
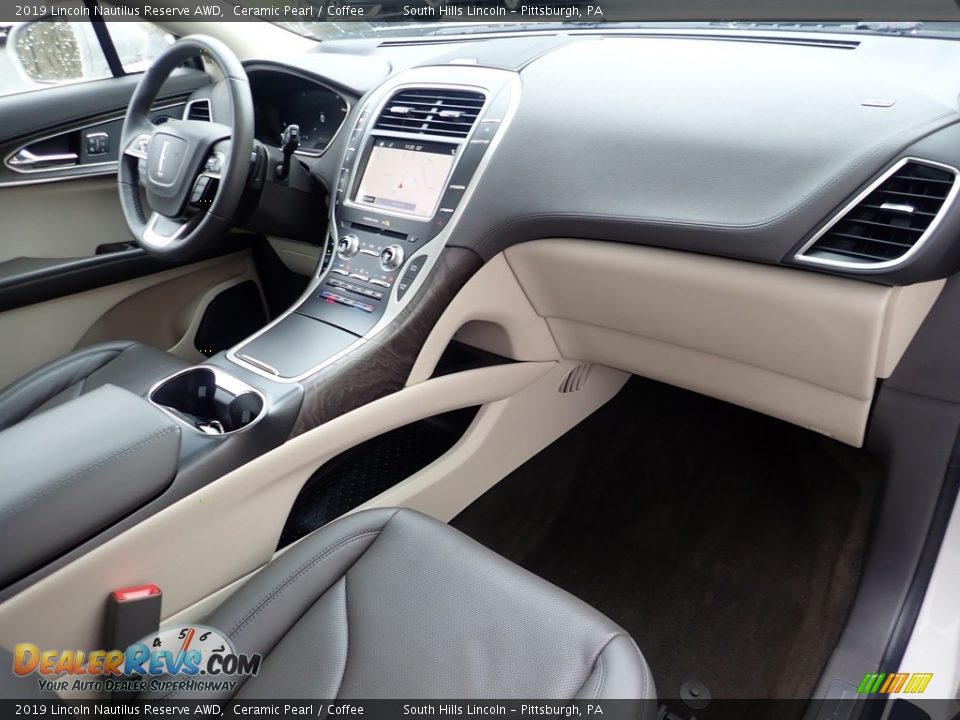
point(727, 543)
point(363, 472)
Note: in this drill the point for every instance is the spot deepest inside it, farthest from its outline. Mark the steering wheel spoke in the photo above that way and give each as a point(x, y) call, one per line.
point(139, 146)
point(160, 231)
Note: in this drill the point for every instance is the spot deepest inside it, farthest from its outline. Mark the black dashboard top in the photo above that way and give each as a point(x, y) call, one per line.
point(738, 145)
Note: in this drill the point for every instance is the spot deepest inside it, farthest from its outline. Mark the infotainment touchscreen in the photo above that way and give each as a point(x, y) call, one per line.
point(404, 176)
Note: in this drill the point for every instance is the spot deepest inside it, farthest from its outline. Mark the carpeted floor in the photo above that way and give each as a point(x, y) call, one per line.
point(364, 471)
point(726, 542)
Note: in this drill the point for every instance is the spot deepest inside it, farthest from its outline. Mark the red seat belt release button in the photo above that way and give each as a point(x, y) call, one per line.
point(132, 614)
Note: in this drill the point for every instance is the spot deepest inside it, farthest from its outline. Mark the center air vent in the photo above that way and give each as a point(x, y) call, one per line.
point(198, 110)
point(429, 111)
point(888, 221)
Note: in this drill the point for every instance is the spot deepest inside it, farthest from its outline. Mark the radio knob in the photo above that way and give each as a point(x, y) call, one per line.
point(391, 257)
point(348, 245)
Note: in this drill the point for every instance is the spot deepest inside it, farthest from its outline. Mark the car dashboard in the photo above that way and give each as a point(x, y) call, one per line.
point(774, 212)
point(741, 145)
point(282, 99)
point(512, 226)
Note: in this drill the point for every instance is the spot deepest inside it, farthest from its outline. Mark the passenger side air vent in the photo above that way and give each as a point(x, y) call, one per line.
point(199, 110)
point(575, 379)
point(888, 221)
point(429, 111)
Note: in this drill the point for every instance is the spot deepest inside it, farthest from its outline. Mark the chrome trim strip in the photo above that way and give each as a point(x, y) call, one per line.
point(152, 237)
point(105, 170)
point(107, 167)
point(190, 103)
point(26, 161)
point(370, 131)
point(260, 364)
point(132, 150)
point(799, 256)
point(432, 249)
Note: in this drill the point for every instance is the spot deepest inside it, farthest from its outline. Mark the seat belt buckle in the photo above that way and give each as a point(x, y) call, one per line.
point(132, 614)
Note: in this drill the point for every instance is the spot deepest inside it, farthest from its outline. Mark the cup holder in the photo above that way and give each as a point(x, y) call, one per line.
point(209, 400)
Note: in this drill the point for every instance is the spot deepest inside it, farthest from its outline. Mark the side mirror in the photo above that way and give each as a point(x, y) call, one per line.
point(50, 51)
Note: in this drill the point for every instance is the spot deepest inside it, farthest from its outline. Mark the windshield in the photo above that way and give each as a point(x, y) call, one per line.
point(387, 25)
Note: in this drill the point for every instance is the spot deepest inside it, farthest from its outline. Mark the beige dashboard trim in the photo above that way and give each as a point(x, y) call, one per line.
point(793, 344)
point(907, 309)
point(493, 312)
point(299, 257)
point(804, 347)
point(229, 529)
point(221, 533)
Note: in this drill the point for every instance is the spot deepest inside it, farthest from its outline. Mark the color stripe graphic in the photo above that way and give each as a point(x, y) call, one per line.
point(892, 683)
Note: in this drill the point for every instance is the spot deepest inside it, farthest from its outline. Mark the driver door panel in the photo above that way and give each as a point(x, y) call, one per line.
point(58, 196)
point(75, 119)
point(68, 264)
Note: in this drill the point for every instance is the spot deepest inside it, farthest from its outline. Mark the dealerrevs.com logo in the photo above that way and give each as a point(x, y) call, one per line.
point(190, 658)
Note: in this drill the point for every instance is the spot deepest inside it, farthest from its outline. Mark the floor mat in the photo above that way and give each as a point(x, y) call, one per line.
point(366, 470)
point(726, 542)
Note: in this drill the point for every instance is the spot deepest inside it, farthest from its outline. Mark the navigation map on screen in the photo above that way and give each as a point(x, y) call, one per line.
point(406, 177)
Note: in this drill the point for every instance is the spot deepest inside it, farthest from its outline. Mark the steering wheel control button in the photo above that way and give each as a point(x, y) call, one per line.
point(348, 246)
point(391, 257)
point(410, 275)
point(201, 192)
point(214, 163)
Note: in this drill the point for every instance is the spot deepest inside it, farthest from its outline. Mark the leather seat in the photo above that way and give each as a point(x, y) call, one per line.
point(390, 603)
point(393, 604)
point(133, 366)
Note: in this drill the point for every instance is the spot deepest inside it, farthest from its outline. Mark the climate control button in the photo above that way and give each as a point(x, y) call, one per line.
point(348, 245)
point(391, 257)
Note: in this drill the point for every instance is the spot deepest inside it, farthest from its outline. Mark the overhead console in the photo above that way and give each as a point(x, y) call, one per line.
point(416, 150)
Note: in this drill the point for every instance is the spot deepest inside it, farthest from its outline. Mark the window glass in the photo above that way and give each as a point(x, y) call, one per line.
point(138, 43)
point(57, 52)
point(38, 54)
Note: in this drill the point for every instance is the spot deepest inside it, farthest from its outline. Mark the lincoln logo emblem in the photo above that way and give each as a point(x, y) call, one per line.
point(163, 157)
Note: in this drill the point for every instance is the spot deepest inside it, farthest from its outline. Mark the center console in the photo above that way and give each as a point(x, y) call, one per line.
point(416, 149)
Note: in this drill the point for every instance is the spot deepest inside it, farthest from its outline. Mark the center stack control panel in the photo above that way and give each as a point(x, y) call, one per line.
point(414, 153)
point(411, 157)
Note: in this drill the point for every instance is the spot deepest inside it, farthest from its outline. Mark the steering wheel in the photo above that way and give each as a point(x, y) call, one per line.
point(192, 172)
